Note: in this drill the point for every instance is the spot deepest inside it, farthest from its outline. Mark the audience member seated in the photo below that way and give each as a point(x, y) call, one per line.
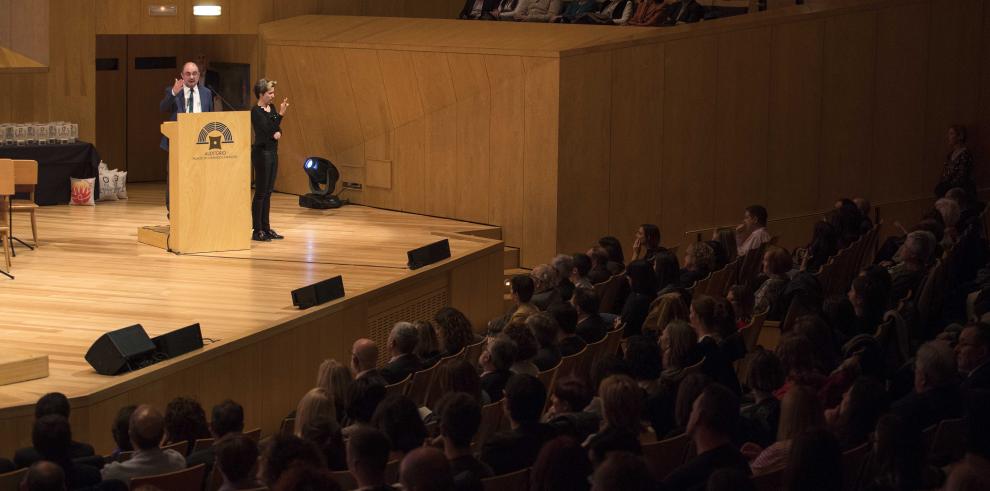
point(460, 418)
point(622, 410)
point(799, 410)
point(52, 439)
point(759, 420)
point(623, 471)
point(743, 302)
point(799, 362)
point(495, 361)
point(711, 426)
point(44, 476)
point(147, 429)
point(428, 345)
point(649, 13)
point(363, 398)
point(575, 9)
point(286, 451)
point(51, 403)
point(579, 275)
point(305, 478)
point(776, 265)
point(706, 314)
point(667, 269)
point(534, 10)
point(678, 350)
point(869, 301)
point(401, 346)
point(545, 285)
point(478, 9)
point(958, 170)
point(561, 465)
point(398, 417)
point(461, 376)
point(564, 265)
point(521, 288)
point(856, 417)
point(914, 255)
point(687, 392)
point(898, 458)
point(367, 457)
point(599, 272)
point(506, 9)
point(544, 329)
point(643, 291)
point(364, 358)
point(824, 244)
point(973, 356)
point(698, 262)
point(425, 469)
point(727, 238)
point(326, 434)
point(616, 259)
point(185, 421)
point(936, 393)
point(335, 379)
point(949, 209)
point(315, 404)
point(591, 326)
point(969, 207)
point(570, 395)
point(815, 462)
point(642, 355)
point(227, 419)
point(526, 348)
point(847, 221)
point(236, 459)
point(454, 330)
point(752, 232)
point(517, 448)
point(646, 243)
point(568, 341)
point(718, 254)
point(827, 357)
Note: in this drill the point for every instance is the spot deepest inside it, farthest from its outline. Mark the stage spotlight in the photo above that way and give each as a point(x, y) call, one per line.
point(323, 176)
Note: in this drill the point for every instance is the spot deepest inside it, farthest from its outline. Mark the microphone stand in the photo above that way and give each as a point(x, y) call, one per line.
point(223, 102)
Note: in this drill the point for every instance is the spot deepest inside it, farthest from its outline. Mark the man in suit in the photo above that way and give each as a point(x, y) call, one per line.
point(591, 326)
point(364, 358)
point(521, 288)
point(568, 342)
point(402, 343)
point(147, 431)
point(517, 449)
point(227, 419)
point(48, 404)
point(973, 356)
point(184, 96)
point(367, 456)
point(936, 393)
point(499, 354)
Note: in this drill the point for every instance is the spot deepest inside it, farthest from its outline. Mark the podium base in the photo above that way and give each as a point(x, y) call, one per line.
point(19, 367)
point(155, 236)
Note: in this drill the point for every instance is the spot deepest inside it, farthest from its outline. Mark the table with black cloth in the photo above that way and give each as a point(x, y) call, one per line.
point(56, 164)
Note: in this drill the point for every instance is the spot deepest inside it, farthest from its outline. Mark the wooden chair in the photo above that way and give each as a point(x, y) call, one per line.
point(254, 434)
point(853, 461)
point(287, 427)
point(512, 480)
point(570, 364)
point(547, 377)
point(181, 447)
point(664, 456)
point(6, 190)
point(345, 479)
point(202, 444)
point(949, 441)
point(701, 286)
point(696, 368)
point(399, 387)
point(719, 280)
point(592, 353)
point(392, 471)
point(473, 351)
point(25, 181)
point(191, 478)
point(422, 382)
point(491, 419)
point(611, 293)
point(613, 340)
point(770, 481)
point(11, 481)
point(751, 333)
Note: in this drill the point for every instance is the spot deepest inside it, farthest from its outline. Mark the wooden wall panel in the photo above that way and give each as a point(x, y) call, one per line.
point(847, 107)
point(506, 76)
point(24, 28)
point(741, 131)
point(541, 172)
point(118, 16)
point(436, 89)
point(796, 87)
point(111, 91)
point(474, 105)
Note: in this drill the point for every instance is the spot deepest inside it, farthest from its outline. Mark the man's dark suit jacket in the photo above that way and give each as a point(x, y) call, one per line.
point(174, 104)
point(978, 379)
point(694, 475)
point(547, 358)
point(930, 407)
point(517, 449)
point(27, 456)
point(592, 329)
point(599, 275)
point(571, 345)
point(494, 383)
point(543, 300)
point(400, 368)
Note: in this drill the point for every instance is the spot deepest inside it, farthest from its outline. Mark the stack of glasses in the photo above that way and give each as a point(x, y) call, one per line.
point(21, 134)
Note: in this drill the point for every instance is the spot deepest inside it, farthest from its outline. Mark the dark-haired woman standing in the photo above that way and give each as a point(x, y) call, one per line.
point(266, 122)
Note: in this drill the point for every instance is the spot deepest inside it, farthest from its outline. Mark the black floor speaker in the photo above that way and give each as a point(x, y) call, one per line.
point(318, 293)
point(179, 341)
point(429, 254)
point(120, 351)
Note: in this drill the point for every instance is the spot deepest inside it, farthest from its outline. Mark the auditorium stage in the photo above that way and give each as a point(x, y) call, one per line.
point(90, 275)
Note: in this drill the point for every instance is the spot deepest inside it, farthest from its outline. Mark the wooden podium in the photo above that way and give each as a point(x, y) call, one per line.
point(209, 167)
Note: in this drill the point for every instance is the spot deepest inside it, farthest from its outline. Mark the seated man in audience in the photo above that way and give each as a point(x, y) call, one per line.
point(568, 342)
point(752, 232)
point(51, 403)
point(364, 357)
point(517, 449)
point(478, 9)
point(460, 418)
point(147, 430)
point(52, 439)
point(367, 457)
point(401, 345)
point(579, 275)
point(227, 419)
point(599, 272)
point(44, 476)
point(625, 471)
point(914, 255)
point(521, 288)
point(973, 356)
point(711, 427)
point(425, 469)
point(544, 329)
point(568, 398)
point(495, 361)
point(545, 286)
point(649, 13)
point(591, 326)
point(236, 458)
point(564, 264)
point(936, 393)
point(536, 10)
point(864, 209)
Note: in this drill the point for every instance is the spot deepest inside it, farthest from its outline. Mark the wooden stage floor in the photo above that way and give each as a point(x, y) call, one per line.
point(90, 276)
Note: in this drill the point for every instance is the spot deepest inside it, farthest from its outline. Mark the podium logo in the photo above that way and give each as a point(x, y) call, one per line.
point(214, 134)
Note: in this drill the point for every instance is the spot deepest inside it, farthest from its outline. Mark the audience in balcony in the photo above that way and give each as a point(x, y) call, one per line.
point(428, 344)
point(526, 348)
point(590, 326)
point(599, 272)
point(532, 11)
point(573, 10)
point(699, 261)
point(776, 265)
point(545, 330)
point(454, 330)
point(568, 341)
point(401, 346)
point(646, 242)
point(611, 12)
point(495, 361)
point(616, 259)
point(517, 448)
point(958, 170)
point(752, 232)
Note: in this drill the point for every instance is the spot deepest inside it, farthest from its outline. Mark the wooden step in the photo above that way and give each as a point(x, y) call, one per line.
point(510, 258)
point(486, 232)
point(19, 367)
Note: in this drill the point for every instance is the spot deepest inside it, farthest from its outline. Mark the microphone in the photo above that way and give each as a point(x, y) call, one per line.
point(223, 102)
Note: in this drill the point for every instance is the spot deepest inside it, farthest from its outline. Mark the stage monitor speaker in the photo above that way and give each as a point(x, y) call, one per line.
point(429, 254)
point(120, 351)
point(179, 341)
point(318, 293)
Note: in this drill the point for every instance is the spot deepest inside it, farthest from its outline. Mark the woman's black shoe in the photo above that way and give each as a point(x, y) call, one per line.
point(273, 235)
point(260, 236)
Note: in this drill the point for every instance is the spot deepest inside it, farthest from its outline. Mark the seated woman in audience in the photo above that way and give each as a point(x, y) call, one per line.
point(815, 328)
point(363, 398)
point(687, 392)
point(824, 244)
point(460, 376)
point(800, 409)
point(237, 462)
point(869, 302)
point(847, 221)
point(616, 259)
point(121, 431)
point(611, 12)
point(776, 265)
point(800, 363)
point(478, 9)
point(665, 309)
point(752, 232)
point(562, 464)
point(599, 272)
point(677, 349)
point(698, 264)
point(326, 435)
point(759, 420)
point(535, 10)
point(857, 416)
point(428, 346)
point(314, 404)
point(453, 330)
point(526, 348)
point(815, 462)
point(743, 304)
point(719, 256)
point(335, 379)
point(573, 10)
point(622, 408)
point(568, 398)
point(544, 329)
point(668, 271)
point(958, 170)
point(643, 290)
point(727, 237)
point(649, 13)
point(706, 316)
point(282, 453)
point(398, 417)
point(495, 361)
point(914, 255)
point(898, 458)
point(185, 421)
point(949, 209)
point(646, 243)
point(642, 355)
point(545, 287)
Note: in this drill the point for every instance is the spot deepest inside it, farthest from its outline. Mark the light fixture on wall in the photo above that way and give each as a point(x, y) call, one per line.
point(206, 10)
point(163, 10)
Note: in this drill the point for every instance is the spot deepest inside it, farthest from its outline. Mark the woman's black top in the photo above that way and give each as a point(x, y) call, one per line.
point(265, 124)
